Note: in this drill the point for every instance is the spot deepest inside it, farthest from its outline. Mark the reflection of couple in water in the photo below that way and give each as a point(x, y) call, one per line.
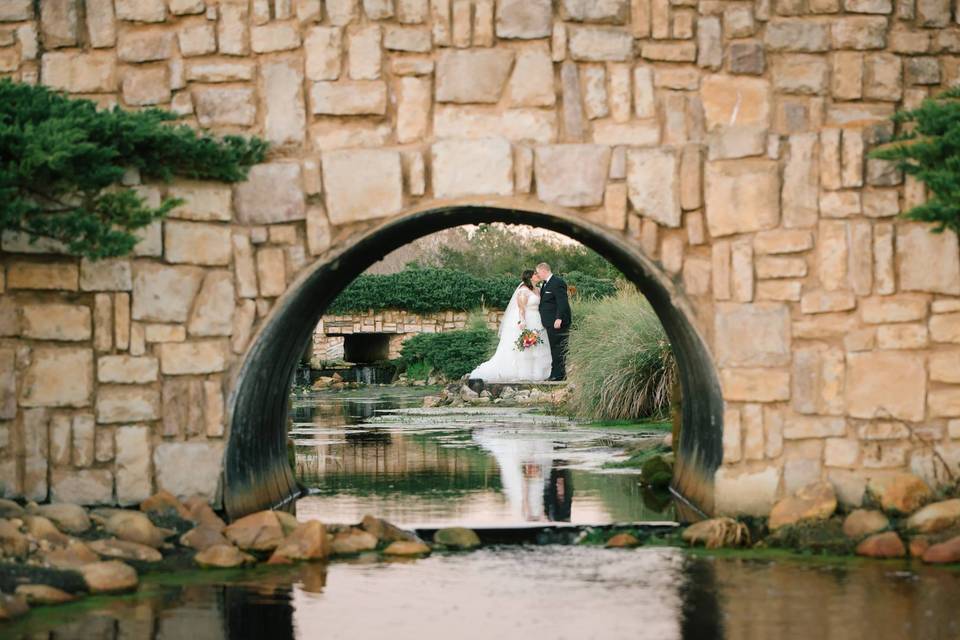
point(537, 489)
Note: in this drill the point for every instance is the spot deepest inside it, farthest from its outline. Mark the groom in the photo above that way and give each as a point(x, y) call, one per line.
point(555, 315)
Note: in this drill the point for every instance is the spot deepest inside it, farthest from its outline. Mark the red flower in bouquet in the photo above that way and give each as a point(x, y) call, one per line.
point(528, 338)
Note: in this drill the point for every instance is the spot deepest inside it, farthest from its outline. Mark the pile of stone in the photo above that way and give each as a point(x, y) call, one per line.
point(902, 518)
point(461, 395)
point(333, 383)
point(55, 553)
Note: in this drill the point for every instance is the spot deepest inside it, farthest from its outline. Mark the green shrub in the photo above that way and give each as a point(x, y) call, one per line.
point(619, 360)
point(928, 148)
point(418, 371)
point(428, 290)
point(452, 353)
point(62, 162)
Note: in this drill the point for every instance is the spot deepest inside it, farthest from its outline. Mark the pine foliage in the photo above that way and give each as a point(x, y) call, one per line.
point(62, 162)
point(928, 148)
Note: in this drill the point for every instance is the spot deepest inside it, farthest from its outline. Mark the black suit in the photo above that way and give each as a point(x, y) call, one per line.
point(554, 304)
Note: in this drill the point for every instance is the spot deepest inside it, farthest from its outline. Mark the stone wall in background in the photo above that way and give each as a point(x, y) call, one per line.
point(726, 139)
point(399, 325)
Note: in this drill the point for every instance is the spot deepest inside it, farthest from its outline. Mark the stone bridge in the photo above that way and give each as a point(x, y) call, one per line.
point(713, 150)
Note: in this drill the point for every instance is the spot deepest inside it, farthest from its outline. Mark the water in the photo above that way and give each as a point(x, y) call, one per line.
point(532, 592)
point(429, 467)
point(470, 467)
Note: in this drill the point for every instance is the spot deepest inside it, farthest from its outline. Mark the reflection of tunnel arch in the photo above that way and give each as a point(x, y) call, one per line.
point(257, 473)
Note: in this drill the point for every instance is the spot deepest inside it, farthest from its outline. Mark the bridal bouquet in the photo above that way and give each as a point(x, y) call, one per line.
point(528, 338)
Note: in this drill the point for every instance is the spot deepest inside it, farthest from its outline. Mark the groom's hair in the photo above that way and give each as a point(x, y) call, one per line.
point(544, 265)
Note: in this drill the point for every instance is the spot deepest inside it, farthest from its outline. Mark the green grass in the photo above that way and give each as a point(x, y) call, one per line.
point(633, 425)
point(621, 365)
point(638, 458)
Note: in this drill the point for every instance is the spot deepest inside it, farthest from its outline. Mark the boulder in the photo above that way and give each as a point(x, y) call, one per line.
point(201, 513)
point(43, 529)
point(223, 556)
point(13, 544)
point(943, 553)
point(288, 522)
point(716, 533)
point(385, 531)
point(918, 546)
point(41, 594)
point(882, 545)
point(935, 517)
point(125, 550)
point(816, 501)
point(457, 538)
point(111, 576)
point(164, 503)
point(407, 548)
point(467, 394)
point(623, 541)
point(71, 518)
point(203, 537)
point(74, 556)
point(901, 493)
point(261, 531)
point(10, 509)
point(12, 606)
point(657, 472)
point(307, 542)
point(353, 541)
point(134, 526)
point(864, 522)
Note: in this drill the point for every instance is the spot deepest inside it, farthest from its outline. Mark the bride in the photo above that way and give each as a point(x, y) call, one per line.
point(508, 364)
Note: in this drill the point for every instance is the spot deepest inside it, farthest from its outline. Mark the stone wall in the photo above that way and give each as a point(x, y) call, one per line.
point(400, 325)
point(726, 139)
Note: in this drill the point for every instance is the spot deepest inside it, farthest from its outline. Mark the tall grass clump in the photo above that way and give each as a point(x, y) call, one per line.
point(620, 362)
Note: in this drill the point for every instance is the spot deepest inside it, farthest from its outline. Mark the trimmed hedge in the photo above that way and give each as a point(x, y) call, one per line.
point(452, 353)
point(430, 290)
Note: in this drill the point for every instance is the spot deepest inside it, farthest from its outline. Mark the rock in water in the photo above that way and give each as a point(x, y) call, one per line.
point(71, 518)
point(112, 576)
point(74, 556)
point(623, 541)
point(717, 533)
point(165, 503)
point(457, 538)
point(43, 529)
point(918, 546)
point(882, 545)
point(943, 553)
point(901, 493)
point(407, 548)
point(353, 541)
point(125, 550)
point(202, 537)
point(12, 607)
point(657, 472)
point(935, 517)
point(10, 509)
point(259, 531)
point(43, 594)
point(288, 522)
point(864, 522)
point(816, 501)
point(385, 531)
point(201, 513)
point(13, 544)
point(223, 556)
point(307, 542)
point(135, 527)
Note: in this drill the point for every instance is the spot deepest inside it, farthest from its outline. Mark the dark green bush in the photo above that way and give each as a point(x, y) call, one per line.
point(453, 353)
point(62, 162)
point(427, 290)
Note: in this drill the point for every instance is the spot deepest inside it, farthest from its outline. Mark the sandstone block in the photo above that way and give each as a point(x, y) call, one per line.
point(146, 45)
point(275, 36)
point(282, 90)
point(524, 19)
point(323, 47)
point(532, 83)
point(653, 185)
point(859, 33)
point(359, 97)
point(141, 10)
point(886, 385)
point(746, 57)
point(162, 293)
point(319, 236)
point(365, 57)
point(944, 403)
point(94, 72)
point(272, 193)
point(414, 97)
point(233, 31)
point(204, 201)
point(752, 335)
point(883, 77)
point(133, 478)
point(188, 469)
point(899, 308)
point(197, 39)
point(187, 7)
point(66, 322)
point(797, 34)
point(749, 493)
point(213, 313)
point(86, 486)
point(604, 11)
point(473, 75)
point(742, 196)
point(927, 261)
point(572, 175)
point(192, 358)
point(105, 275)
point(730, 101)
point(933, 13)
point(411, 39)
point(271, 272)
point(755, 385)
point(126, 403)
point(597, 44)
point(945, 367)
point(123, 369)
point(472, 167)
point(196, 243)
point(59, 23)
point(238, 71)
point(220, 106)
point(58, 377)
point(800, 73)
point(362, 184)
point(945, 327)
point(17, 10)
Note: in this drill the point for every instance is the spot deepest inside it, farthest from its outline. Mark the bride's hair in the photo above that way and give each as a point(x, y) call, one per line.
point(527, 278)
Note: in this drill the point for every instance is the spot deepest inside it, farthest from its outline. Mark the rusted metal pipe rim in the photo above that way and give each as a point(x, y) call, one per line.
point(257, 474)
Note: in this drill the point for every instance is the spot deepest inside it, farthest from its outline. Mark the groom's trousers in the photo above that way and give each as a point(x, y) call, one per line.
point(558, 352)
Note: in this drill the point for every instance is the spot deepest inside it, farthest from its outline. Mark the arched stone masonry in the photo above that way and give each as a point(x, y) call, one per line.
point(724, 141)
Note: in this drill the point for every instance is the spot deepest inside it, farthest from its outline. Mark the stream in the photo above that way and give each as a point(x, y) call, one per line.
point(374, 451)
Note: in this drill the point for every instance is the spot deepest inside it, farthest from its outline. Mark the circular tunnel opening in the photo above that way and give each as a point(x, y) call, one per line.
point(257, 474)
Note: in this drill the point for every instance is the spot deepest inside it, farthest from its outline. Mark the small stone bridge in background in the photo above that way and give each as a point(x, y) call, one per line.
point(715, 151)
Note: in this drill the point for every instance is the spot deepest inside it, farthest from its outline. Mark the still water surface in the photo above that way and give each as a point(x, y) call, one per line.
point(497, 469)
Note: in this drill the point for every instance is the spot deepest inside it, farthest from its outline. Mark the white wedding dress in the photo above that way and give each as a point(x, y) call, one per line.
point(508, 364)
